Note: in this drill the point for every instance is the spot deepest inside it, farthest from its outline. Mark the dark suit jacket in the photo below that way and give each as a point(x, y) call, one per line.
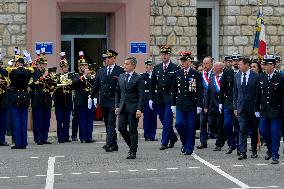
point(129, 96)
point(244, 98)
point(212, 97)
point(161, 86)
point(187, 90)
point(105, 85)
point(270, 96)
point(227, 88)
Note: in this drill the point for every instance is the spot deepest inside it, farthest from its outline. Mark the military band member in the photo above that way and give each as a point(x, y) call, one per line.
point(206, 75)
point(63, 101)
point(161, 93)
point(212, 101)
point(129, 97)
point(245, 83)
point(4, 84)
point(187, 101)
point(41, 101)
point(104, 86)
point(82, 84)
point(270, 106)
point(226, 103)
point(19, 101)
point(149, 115)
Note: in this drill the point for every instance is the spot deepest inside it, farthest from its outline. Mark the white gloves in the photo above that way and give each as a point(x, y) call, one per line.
point(257, 114)
point(220, 108)
point(95, 102)
point(173, 108)
point(90, 102)
point(28, 56)
point(10, 63)
point(198, 110)
point(151, 104)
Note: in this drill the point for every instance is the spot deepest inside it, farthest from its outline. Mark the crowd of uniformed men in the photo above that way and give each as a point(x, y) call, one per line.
point(228, 101)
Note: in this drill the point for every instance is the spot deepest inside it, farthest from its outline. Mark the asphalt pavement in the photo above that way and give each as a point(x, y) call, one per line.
point(87, 166)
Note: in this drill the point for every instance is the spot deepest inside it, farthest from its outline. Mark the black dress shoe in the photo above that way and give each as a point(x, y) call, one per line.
point(230, 150)
point(39, 143)
point(217, 148)
point(4, 144)
point(171, 145)
point(275, 161)
point(267, 156)
point(15, 147)
point(153, 139)
point(46, 142)
point(188, 153)
point(146, 139)
point(111, 149)
point(202, 145)
point(23, 147)
point(67, 140)
point(242, 156)
point(104, 146)
point(131, 155)
point(163, 147)
point(90, 141)
point(254, 155)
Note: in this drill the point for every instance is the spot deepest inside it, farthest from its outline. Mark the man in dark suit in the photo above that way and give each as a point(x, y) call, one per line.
point(105, 84)
point(129, 104)
point(149, 115)
point(212, 101)
point(187, 102)
point(245, 83)
point(161, 90)
point(270, 106)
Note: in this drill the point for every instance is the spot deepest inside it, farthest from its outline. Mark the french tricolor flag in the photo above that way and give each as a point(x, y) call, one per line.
point(259, 40)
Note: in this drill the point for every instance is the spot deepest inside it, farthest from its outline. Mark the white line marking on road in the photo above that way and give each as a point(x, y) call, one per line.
point(59, 156)
point(134, 170)
point(221, 172)
point(193, 167)
point(151, 169)
point(172, 168)
point(40, 175)
point(258, 187)
point(96, 172)
point(237, 165)
point(50, 173)
point(76, 173)
point(34, 157)
point(261, 164)
point(218, 166)
point(113, 171)
point(22, 176)
point(282, 163)
point(58, 174)
point(4, 177)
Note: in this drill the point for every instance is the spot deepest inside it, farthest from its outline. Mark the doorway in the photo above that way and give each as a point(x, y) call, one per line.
point(84, 32)
point(207, 29)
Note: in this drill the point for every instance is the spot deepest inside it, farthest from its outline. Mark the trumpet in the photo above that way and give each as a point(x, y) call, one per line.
point(4, 84)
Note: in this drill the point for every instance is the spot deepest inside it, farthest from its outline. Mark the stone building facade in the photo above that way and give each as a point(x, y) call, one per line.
point(174, 23)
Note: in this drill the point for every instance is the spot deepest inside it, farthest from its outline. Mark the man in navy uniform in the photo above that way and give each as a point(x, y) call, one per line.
point(187, 100)
point(82, 84)
point(270, 106)
point(3, 103)
point(206, 74)
point(245, 83)
point(41, 89)
point(62, 98)
point(149, 115)
point(19, 102)
point(161, 93)
point(129, 97)
point(105, 84)
point(226, 103)
point(212, 101)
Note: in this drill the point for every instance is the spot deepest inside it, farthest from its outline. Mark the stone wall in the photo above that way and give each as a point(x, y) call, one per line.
point(13, 24)
point(237, 26)
point(173, 23)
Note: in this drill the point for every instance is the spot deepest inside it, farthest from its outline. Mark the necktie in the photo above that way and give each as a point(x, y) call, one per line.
point(165, 67)
point(127, 77)
point(185, 72)
point(244, 80)
point(108, 71)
